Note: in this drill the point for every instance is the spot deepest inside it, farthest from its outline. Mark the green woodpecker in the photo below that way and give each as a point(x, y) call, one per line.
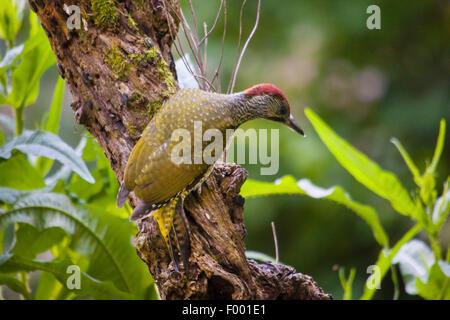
point(162, 184)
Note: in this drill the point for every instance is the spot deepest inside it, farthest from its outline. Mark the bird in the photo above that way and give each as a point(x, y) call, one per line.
point(161, 184)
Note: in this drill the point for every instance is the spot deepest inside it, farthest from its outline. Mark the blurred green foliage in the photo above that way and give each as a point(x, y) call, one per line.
point(57, 218)
point(431, 279)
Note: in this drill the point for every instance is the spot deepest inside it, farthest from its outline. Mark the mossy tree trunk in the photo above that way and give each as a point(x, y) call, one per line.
point(119, 69)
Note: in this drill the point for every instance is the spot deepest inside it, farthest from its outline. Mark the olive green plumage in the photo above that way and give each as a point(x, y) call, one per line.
point(150, 172)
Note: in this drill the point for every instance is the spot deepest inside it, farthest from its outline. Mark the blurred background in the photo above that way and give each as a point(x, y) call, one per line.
point(369, 85)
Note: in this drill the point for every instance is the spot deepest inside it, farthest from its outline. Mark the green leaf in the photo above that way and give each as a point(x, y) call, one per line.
point(46, 144)
point(385, 258)
point(409, 162)
point(347, 283)
point(437, 286)
point(288, 185)
point(49, 287)
point(415, 259)
point(442, 207)
point(88, 285)
point(2, 137)
point(84, 190)
point(8, 123)
point(438, 150)
point(260, 256)
point(427, 191)
point(64, 172)
point(14, 284)
point(11, 19)
point(36, 59)
point(93, 152)
point(52, 123)
point(9, 195)
point(339, 195)
point(364, 170)
point(10, 58)
point(30, 242)
point(18, 173)
point(103, 239)
point(9, 239)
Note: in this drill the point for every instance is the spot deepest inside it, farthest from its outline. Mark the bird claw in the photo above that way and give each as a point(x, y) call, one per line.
point(141, 211)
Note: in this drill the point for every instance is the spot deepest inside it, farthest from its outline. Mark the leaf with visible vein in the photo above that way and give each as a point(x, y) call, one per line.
point(382, 182)
point(46, 144)
point(89, 285)
point(103, 239)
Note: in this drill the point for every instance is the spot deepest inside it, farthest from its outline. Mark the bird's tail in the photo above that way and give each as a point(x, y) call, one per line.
point(181, 230)
point(122, 195)
point(170, 218)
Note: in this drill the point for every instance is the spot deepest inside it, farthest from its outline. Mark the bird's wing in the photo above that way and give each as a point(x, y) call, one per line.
point(156, 177)
point(152, 174)
point(136, 162)
point(161, 179)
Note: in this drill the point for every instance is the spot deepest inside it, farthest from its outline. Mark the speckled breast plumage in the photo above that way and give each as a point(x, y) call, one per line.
point(150, 172)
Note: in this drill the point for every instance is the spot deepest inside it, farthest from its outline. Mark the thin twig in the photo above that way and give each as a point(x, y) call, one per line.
point(191, 37)
point(182, 55)
point(188, 67)
point(211, 86)
point(239, 42)
point(216, 73)
point(179, 49)
point(205, 49)
point(194, 19)
point(195, 53)
point(258, 12)
point(197, 42)
point(275, 241)
point(215, 23)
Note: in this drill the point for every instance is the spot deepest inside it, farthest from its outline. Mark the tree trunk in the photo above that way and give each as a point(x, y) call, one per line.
point(119, 69)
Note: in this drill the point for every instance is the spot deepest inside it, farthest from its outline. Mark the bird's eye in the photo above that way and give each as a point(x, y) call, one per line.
point(283, 110)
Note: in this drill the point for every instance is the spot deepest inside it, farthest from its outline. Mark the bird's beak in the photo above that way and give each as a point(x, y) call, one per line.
point(290, 122)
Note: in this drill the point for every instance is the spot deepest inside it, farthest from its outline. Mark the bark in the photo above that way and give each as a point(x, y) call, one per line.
point(119, 69)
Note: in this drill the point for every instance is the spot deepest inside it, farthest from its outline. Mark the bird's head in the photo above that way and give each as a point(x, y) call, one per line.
point(272, 104)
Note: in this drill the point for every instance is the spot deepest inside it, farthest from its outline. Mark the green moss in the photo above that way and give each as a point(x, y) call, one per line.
point(154, 106)
point(162, 70)
point(152, 54)
point(137, 97)
point(153, 57)
point(117, 62)
point(133, 132)
point(139, 103)
point(165, 74)
point(131, 22)
point(120, 64)
point(106, 13)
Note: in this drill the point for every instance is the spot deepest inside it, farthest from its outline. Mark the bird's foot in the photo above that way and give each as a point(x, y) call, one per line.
point(141, 211)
